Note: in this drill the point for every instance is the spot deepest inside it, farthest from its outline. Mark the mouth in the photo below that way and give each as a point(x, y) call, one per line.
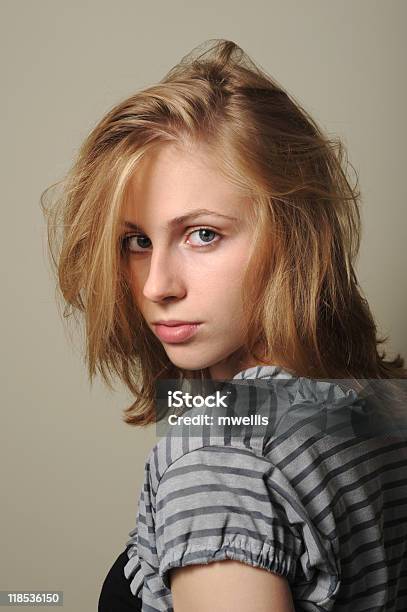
point(175, 331)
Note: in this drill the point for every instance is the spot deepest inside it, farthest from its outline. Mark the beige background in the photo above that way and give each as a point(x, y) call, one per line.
point(71, 468)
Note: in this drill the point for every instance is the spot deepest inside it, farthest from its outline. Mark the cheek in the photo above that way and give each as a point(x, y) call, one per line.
point(231, 280)
point(232, 270)
point(135, 282)
point(221, 288)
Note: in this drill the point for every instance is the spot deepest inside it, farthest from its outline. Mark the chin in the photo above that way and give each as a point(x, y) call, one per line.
point(194, 359)
point(187, 358)
point(189, 364)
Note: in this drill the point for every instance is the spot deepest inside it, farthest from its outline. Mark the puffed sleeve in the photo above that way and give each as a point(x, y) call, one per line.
point(216, 503)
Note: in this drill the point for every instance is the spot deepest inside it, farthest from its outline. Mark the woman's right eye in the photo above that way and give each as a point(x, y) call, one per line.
point(131, 242)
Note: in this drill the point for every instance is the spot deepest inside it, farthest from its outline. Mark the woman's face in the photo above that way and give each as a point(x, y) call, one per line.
point(189, 269)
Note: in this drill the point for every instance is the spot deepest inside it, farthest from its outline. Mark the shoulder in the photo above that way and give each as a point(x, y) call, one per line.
point(174, 456)
point(258, 412)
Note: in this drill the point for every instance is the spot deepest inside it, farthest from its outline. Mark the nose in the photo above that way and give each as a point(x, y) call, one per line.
point(164, 277)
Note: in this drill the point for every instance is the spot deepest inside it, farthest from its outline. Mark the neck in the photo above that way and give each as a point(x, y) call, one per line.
point(227, 368)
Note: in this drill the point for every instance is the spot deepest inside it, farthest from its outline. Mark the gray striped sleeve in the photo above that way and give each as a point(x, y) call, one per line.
point(214, 503)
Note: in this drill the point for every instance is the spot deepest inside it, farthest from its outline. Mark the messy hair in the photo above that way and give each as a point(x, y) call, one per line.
point(302, 301)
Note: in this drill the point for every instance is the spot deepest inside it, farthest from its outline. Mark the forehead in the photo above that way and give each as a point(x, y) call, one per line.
point(171, 180)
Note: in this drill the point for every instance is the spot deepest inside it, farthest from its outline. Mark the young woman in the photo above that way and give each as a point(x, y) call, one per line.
point(209, 231)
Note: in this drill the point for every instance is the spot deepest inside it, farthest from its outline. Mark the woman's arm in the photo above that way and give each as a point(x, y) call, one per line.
point(229, 585)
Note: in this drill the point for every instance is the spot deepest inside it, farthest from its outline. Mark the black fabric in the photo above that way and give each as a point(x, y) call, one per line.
point(116, 595)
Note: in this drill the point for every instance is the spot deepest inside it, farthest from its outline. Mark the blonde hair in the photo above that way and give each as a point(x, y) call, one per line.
point(302, 301)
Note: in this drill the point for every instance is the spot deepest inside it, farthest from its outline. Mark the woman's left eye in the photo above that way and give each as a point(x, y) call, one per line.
point(205, 235)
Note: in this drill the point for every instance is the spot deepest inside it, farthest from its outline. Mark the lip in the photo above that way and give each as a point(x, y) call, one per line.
point(174, 322)
point(173, 331)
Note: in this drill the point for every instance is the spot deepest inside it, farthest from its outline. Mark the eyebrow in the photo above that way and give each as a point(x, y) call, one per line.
point(183, 218)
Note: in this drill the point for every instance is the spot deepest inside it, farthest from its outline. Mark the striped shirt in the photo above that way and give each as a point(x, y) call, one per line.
point(328, 512)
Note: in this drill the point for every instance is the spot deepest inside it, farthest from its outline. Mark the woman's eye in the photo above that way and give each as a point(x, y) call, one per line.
point(205, 235)
point(130, 243)
point(139, 243)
